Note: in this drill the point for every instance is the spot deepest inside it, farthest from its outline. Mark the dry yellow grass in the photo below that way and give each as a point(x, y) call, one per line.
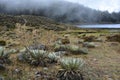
point(103, 60)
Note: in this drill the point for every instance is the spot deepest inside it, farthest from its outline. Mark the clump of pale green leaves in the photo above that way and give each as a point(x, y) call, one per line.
point(35, 57)
point(71, 63)
point(39, 57)
point(53, 57)
point(77, 50)
point(71, 69)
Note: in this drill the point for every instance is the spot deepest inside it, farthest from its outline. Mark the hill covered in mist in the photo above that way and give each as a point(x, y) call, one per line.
point(9, 22)
point(58, 10)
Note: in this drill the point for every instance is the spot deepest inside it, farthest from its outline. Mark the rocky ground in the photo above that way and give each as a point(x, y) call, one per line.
point(100, 49)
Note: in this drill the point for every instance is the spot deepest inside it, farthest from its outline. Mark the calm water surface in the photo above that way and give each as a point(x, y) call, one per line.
point(100, 26)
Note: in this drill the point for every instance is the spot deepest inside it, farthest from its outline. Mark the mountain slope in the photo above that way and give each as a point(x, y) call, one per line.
point(10, 21)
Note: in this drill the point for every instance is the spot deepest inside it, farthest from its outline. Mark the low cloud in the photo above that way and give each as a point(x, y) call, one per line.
point(103, 5)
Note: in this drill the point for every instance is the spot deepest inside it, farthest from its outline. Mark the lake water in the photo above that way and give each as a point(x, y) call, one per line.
point(100, 26)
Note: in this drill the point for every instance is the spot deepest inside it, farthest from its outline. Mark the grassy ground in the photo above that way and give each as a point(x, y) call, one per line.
point(102, 61)
point(105, 58)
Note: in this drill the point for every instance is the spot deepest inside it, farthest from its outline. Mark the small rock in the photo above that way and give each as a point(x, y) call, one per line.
point(2, 67)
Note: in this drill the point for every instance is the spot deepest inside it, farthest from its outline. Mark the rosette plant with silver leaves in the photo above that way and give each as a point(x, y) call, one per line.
point(71, 69)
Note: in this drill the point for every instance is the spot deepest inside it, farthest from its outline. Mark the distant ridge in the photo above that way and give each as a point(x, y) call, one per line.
point(33, 21)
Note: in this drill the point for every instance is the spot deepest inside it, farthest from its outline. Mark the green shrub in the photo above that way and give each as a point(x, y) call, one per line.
point(65, 41)
point(89, 38)
point(10, 25)
point(115, 38)
point(2, 43)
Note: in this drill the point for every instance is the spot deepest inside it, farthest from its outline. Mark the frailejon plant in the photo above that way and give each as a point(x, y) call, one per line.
point(70, 69)
point(73, 48)
point(37, 57)
point(4, 55)
point(53, 57)
point(77, 50)
point(60, 47)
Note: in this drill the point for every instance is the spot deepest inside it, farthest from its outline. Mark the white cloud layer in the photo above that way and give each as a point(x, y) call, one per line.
point(109, 5)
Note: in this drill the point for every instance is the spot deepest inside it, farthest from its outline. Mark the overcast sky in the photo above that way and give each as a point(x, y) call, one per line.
point(109, 5)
